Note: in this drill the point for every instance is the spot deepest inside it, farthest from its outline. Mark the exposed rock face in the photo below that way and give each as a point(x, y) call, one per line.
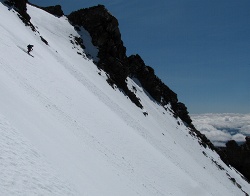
point(156, 88)
point(54, 10)
point(21, 7)
point(237, 156)
point(103, 28)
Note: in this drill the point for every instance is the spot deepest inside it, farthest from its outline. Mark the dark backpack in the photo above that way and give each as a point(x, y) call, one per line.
point(29, 47)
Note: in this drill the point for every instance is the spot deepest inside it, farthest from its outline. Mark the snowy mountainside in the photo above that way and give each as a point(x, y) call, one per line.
point(65, 131)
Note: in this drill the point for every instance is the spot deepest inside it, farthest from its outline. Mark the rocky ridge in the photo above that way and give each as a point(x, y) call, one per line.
point(237, 155)
point(105, 33)
point(20, 6)
point(103, 28)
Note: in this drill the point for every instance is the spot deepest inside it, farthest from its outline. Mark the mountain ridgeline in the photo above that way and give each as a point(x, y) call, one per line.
point(104, 31)
point(237, 155)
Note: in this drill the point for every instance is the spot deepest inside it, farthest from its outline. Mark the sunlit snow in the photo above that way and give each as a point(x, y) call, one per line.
point(65, 131)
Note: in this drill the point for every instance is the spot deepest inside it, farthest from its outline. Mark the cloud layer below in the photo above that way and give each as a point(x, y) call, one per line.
point(220, 128)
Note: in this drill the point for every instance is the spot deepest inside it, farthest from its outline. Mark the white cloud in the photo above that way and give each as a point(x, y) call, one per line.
point(220, 128)
point(245, 129)
point(238, 137)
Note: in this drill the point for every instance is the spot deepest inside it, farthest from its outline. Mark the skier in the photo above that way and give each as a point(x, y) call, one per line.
point(30, 48)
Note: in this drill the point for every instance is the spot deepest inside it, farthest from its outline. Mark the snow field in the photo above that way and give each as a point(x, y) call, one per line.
point(23, 170)
point(81, 137)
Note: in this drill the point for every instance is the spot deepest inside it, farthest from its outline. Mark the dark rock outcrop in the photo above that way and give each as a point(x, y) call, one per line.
point(54, 10)
point(103, 28)
point(237, 156)
point(156, 88)
point(21, 7)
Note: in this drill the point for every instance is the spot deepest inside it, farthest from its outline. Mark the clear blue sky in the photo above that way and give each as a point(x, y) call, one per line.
point(199, 48)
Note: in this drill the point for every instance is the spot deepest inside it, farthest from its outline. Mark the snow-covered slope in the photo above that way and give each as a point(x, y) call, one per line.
point(65, 131)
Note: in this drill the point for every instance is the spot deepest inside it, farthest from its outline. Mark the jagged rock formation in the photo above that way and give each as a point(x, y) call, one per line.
point(103, 28)
point(105, 33)
point(156, 88)
point(20, 5)
point(237, 156)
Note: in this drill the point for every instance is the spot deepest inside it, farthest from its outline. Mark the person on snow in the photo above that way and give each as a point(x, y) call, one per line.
point(30, 48)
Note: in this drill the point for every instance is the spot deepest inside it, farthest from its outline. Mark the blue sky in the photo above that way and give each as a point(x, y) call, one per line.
point(199, 48)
